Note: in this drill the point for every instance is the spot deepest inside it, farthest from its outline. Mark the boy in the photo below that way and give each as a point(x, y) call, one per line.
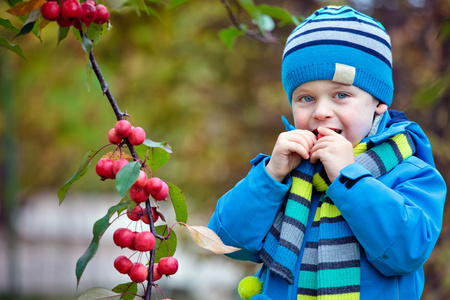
point(349, 205)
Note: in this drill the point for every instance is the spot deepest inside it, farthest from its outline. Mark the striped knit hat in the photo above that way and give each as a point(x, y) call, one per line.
point(340, 44)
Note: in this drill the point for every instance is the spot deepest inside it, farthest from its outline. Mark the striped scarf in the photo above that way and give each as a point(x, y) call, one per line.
point(330, 267)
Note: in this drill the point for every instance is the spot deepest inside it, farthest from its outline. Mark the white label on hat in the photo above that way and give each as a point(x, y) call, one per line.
point(344, 74)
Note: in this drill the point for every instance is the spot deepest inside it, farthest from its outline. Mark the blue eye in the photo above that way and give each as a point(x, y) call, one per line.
point(341, 95)
point(306, 99)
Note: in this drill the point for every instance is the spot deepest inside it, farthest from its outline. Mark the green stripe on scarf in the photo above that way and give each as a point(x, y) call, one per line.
point(330, 266)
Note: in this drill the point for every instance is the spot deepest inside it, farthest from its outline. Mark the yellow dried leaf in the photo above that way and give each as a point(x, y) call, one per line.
point(24, 8)
point(208, 239)
point(117, 155)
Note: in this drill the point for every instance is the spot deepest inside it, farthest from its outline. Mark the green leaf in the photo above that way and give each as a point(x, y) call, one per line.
point(432, 92)
point(26, 28)
point(82, 169)
point(8, 25)
point(157, 153)
point(444, 32)
point(250, 7)
point(14, 48)
point(86, 44)
point(12, 3)
point(229, 35)
point(176, 3)
point(96, 293)
point(179, 203)
point(163, 145)
point(165, 248)
point(99, 229)
point(265, 23)
point(95, 31)
point(62, 33)
point(126, 177)
point(30, 24)
point(130, 287)
point(140, 5)
point(278, 13)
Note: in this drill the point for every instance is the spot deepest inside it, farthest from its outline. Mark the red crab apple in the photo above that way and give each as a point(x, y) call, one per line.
point(123, 128)
point(102, 14)
point(137, 136)
point(138, 273)
point(136, 213)
point(144, 241)
point(153, 185)
point(168, 265)
point(163, 193)
point(157, 188)
point(156, 274)
point(118, 164)
point(123, 237)
point(122, 264)
point(138, 194)
point(141, 181)
point(70, 10)
point(155, 216)
point(50, 11)
point(64, 23)
point(131, 247)
point(104, 168)
point(77, 24)
point(88, 12)
point(113, 137)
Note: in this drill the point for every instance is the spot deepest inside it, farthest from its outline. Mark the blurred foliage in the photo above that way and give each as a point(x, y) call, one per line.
point(217, 107)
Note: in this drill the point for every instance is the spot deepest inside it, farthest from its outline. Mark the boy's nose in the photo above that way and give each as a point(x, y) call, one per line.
point(322, 111)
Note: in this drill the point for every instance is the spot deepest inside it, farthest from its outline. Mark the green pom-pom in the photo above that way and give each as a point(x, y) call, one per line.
point(249, 287)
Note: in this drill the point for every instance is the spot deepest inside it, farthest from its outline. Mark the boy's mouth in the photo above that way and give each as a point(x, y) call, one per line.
point(316, 132)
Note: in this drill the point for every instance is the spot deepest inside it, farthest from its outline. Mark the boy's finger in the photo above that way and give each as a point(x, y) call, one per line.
point(299, 149)
point(325, 131)
point(308, 136)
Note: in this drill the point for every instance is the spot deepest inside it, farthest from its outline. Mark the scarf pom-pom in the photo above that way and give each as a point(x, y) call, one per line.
point(249, 287)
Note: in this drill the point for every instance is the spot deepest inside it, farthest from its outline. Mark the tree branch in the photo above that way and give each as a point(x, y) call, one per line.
point(119, 116)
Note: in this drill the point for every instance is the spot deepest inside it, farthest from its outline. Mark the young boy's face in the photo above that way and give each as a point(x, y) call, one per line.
point(346, 109)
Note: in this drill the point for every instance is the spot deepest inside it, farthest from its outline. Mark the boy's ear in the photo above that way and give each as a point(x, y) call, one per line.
point(381, 108)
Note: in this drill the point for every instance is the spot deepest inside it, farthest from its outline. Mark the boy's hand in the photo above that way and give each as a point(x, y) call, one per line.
point(288, 152)
point(333, 150)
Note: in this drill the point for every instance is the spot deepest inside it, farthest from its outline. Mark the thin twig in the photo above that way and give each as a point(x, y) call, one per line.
point(104, 86)
point(252, 34)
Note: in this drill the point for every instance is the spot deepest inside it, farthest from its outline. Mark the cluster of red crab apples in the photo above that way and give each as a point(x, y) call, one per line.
point(141, 241)
point(71, 12)
point(139, 192)
point(107, 168)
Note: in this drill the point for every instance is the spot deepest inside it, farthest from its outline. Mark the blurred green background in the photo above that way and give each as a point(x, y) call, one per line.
point(216, 107)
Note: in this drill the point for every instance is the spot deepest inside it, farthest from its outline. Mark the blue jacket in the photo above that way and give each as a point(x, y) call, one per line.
point(396, 218)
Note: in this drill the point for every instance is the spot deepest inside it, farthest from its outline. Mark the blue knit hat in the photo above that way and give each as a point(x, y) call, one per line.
point(341, 44)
